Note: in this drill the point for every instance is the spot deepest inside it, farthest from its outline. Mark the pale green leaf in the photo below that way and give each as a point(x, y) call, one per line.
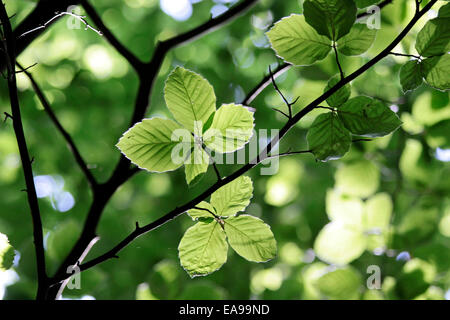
point(331, 18)
point(190, 98)
point(233, 197)
point(196, 165)
point(410, 76)
point(339, 244)
point(368, 117)
point(358, 41)
point(297, 42)
point(7, 253)
point(339, 97)
point(203, 249)
point(345, 209)
point(434, 38)
point(327, 138)
point(197, 213)
point(358, 179)
point(436, 71)
point(365, 3)
point(149, 145)
point(231, 129)
point(378, 211)
point(341, 284)
point(251, 238)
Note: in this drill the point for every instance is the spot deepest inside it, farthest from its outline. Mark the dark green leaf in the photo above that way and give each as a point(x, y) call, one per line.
point(368, 117)
point(327, 138)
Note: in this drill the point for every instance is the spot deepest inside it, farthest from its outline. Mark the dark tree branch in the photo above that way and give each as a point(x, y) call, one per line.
point(261, 157)
point(9, 49)
point(71, 144)
point(288, 104)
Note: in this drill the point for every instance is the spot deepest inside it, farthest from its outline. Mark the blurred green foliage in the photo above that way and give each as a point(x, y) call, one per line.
point(396, 179)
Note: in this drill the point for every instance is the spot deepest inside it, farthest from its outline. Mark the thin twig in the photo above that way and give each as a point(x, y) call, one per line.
point(10, 55)
point(71, 144)
point(381, 5)
point(288, 104)
point(406, 55)
point(341, 72)
point(59, 15)
point(264, 83)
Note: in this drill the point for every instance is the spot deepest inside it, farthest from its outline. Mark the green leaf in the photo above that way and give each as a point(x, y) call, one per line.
point(233, 197)
point(231, 129)
point(434, 38)
point(327, 138)
point(359, 179)
point(203, 249)
point(436, 72)
point(365, 3)
point(190, 98)
point(330, 18)
point(344, 209)
point(378, 212)
point(7, 253)
point(196, 165)
point(341, 284)
point(251, 238)
point(341, 96)
point(368, 117)
point(149, 144)
point(195, 214)
point(410, 76)
point(339, 244)
point(358, 41)
point(438, 136)
point(444, 11)
point(296, 42)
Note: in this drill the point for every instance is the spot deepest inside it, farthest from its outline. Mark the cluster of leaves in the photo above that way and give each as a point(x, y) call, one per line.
point(203, 248)
point(433, 65)
point(306, 39)
point(155, 143)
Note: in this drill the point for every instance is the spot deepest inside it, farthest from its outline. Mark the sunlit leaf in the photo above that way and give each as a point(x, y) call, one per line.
point(149, 144)
point(231, 129)
point(203, 249)
point(297, 42)
point(378, 212)
point(341, 284)
point(339, 244)
point(233, 197)
point(359, 179)
point(345, 209)
point(190, 98)
point(196, 165)
point(6, 253)
point(358, 41)
point(436, 71)
point(251, 238)
point(195, 213)
point(434, 38)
